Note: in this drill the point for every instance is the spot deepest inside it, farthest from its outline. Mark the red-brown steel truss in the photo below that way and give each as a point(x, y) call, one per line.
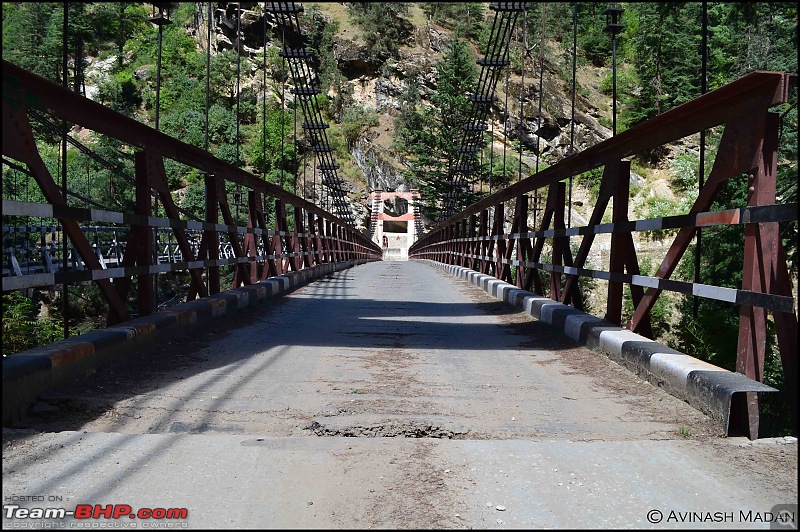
point(316, 237)
point(748, 146)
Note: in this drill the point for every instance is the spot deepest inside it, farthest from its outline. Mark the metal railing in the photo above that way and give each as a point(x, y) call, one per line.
point(307, 236)
point(480, 238)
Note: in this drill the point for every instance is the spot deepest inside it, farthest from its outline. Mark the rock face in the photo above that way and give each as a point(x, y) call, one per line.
point(353, 59)
point(379, 171)
point(545, 132)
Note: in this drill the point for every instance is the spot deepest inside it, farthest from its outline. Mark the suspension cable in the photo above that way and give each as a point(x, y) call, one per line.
point(473, 136)
point(283, 104)
point(303, 75)
point(574, 85)
point(491, 158)
point(208, 71)
point(238, 197)
point(314, 186)
point(294, 155)
point(505, 122)
point(701, 180)
point(64, 136)
point(522, 90)
point(207, 213)
point(539, 118)
point(264, 103)
point(541, 90)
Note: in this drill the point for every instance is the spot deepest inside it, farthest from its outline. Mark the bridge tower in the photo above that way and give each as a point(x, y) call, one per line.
point(394, 216)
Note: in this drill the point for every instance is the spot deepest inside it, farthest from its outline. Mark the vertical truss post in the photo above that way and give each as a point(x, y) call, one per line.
point(282, 243)
point(447, 246)
point(514, 241)
point(560, 246)
point(474, 246)
point(312, 241)
point(250, 243)
point(297, 245)
point(272, 244)
point(523, 242)
point(322, 241)
point(494, 244)
point(211, 236)
point(143, 243)
point(444, 247)
point(346, 250)
point(347, 243)
point(336, 242)
point(485, 245)
point(257, 208)
point(571, 291)
point(329, 246)
point(761, 251)
point(452, 246)
point(456, 246)
point(464, 244)
point(533, 278)
point(340, 243)
point(618, 248)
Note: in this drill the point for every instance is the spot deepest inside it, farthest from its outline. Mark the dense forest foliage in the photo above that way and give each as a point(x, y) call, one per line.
point(658, 58)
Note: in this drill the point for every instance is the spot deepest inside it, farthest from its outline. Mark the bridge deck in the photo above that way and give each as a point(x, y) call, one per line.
point(248, 423)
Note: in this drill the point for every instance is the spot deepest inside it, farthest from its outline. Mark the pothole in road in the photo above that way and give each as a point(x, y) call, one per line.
point(399, 429)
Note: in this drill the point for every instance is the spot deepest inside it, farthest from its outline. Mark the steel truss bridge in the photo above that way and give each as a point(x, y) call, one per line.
point(113, 249)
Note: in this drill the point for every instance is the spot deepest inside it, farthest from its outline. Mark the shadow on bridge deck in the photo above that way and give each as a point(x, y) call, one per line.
point(368, 394)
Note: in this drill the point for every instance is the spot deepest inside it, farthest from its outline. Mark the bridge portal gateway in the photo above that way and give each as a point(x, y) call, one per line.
point(394, 222)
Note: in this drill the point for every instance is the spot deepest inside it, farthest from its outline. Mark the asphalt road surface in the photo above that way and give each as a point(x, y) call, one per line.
point(390, 395)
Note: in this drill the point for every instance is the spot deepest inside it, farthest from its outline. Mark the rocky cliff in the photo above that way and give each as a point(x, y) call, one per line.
point(377, 86)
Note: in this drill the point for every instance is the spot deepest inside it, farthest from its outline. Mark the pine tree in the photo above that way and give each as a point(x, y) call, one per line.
point(383, 25)
point(432, 135)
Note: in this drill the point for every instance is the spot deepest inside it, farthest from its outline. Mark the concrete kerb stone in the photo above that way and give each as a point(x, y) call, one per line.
point(675, 368)
point(27, 374)
point(501, 289)
point(706, 387)
point(513, 295)
point(536, 305)
point(548, 308)
point(255, 293)
point(284, 281)
point(559, 317)
point(491, 286)
point(273, 287)
point(532, 304)
point(611, 341)
point(573, 325)
point(713, 392)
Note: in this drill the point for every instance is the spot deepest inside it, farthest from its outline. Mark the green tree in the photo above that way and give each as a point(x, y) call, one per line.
point(32, 37)
point(272, 148)
point(383, 26)
point(465, 18)
point(658, 37)
point(22, 329)
point(431, 135)
point(320, 37)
